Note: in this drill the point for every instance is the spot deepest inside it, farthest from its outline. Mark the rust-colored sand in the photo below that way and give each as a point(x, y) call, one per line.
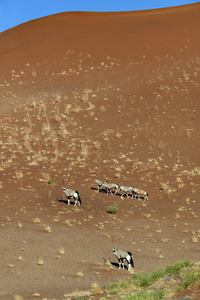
point(113, 95)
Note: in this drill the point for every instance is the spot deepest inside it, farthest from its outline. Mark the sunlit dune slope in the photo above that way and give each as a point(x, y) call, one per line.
point(123, 34)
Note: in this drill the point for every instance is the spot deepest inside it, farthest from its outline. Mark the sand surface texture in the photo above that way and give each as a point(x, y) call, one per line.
point(113, 95)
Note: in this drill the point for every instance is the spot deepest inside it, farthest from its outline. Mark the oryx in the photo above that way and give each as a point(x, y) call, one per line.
point(138, 193)
point(123, 255)
point(126, 190)
point(110, 186)
point(99, 182)
point(72, 194)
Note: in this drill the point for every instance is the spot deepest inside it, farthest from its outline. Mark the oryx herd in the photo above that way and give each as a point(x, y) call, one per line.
point(109, 187)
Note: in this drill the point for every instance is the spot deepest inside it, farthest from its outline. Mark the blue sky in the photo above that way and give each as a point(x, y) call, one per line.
point(15, 12)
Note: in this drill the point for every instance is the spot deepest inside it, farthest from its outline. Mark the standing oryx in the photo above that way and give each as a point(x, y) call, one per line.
point(110, 186)
point(126, 190)
point(72, 194)
point(123, 255)
point(138, 193)
point(99, 182)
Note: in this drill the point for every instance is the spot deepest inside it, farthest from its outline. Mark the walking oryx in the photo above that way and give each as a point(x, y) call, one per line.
point(123, 255)
point(126, 190)
point(138, 193)
point(72, 194)
point(99, 182)
point(110, 186)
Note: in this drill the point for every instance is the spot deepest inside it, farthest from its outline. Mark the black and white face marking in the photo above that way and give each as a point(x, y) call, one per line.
point(114, 250)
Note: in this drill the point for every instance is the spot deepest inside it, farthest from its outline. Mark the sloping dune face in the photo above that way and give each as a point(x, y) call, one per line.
point(107, 95)
point(124, 35)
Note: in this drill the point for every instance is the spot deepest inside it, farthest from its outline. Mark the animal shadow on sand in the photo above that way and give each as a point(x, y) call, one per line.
point(65, 201)
point(104, 191)
point(100, 191)
point(116, 265)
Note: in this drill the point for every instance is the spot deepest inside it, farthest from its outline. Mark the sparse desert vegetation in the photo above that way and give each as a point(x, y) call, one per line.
point(160, 284)
point(71, 113)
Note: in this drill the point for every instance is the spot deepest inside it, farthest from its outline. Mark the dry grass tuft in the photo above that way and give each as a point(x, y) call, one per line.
point(96, 289)
point(195, 239)
point(162, 145)
point(18, 297)
point(61, 250)
point(40, 262)
point(47, 228)
point(80, 274)
point(84, 151)
point(36, 220)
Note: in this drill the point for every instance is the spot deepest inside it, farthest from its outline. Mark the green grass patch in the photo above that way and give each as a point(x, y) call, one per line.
point(51, 181)
point(156, 285)
point(116, 287)
point(147, 295)
point(178, 266)
point(189, 279)
point(145, 280)
point(138, 285)
point(112, 209)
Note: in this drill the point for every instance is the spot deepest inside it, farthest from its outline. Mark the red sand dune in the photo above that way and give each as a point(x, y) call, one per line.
point(124, 35)
point(114, 95)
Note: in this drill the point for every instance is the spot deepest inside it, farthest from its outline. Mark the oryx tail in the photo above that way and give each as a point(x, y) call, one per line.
point(131, 259)
point(79, 198)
